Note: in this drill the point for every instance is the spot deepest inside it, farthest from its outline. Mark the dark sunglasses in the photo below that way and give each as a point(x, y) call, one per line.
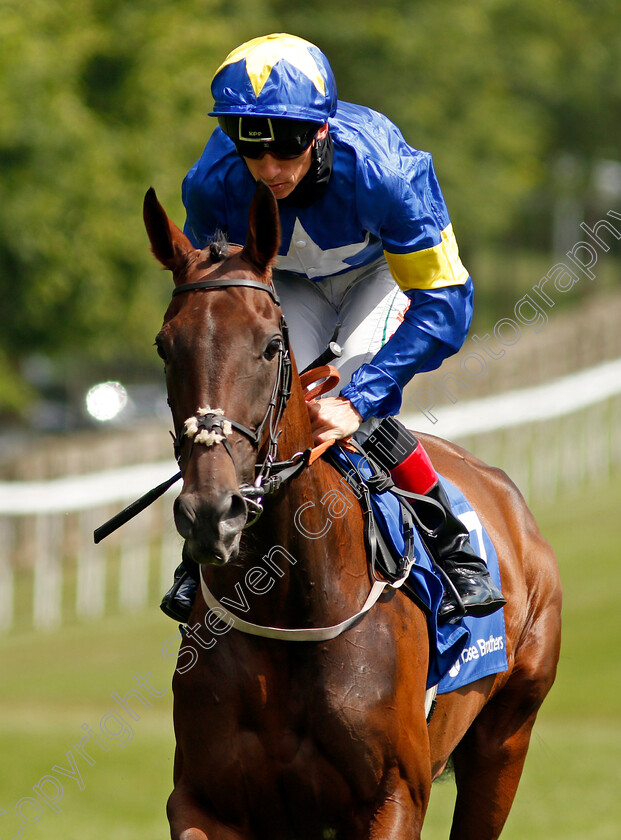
point(254, 136)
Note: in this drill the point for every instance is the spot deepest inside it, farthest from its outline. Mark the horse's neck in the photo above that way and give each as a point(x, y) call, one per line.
point(313, 531)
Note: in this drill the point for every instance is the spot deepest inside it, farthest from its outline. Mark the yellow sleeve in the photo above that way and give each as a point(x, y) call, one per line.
point(431, 268)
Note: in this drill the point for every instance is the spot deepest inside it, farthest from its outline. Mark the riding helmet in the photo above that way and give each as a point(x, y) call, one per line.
point(276, 75)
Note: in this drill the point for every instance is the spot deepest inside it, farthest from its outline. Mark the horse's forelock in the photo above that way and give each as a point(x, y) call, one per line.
point(218, 247)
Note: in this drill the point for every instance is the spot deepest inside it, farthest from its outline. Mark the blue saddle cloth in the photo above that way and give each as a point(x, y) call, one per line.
point(461, 652)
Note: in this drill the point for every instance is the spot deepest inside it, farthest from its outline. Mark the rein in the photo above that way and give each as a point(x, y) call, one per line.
point(212, 421)
point(211, 426)
point(271, 473)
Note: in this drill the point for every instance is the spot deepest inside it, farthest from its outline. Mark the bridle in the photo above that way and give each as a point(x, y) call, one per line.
point(282, 383)
point(269, 474)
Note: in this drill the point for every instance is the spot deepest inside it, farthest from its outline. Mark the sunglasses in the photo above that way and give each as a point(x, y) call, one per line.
point(254, 136)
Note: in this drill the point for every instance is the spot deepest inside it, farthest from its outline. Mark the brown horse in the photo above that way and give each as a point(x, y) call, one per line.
point(320, 739)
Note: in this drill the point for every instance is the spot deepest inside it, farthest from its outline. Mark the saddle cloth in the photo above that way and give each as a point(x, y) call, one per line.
point(460, 652)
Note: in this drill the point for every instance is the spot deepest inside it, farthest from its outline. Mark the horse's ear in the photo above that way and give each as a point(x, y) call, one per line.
point(170, 245)
point(263, 239)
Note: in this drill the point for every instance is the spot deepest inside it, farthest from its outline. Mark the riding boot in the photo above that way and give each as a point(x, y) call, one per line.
point(470, 589)
point(476, 593)
point(177, 603)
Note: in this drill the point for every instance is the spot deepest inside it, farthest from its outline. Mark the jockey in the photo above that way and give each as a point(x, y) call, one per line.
point(368, 257)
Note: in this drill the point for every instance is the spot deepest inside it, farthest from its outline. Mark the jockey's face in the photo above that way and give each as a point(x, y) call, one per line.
point(283, 176)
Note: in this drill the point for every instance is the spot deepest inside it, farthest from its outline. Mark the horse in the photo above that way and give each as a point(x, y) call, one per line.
point(320, 735)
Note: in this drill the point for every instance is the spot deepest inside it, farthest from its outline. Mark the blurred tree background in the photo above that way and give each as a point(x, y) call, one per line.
point(520, 104)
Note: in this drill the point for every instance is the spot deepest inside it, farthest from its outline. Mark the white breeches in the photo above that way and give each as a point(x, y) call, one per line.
point(365, 302)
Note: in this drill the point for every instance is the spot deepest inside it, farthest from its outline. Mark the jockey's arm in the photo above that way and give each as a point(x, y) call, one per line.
point(434, 327)
point(423, 257)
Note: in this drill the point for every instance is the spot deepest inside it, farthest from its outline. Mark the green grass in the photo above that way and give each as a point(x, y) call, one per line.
point(53, 683)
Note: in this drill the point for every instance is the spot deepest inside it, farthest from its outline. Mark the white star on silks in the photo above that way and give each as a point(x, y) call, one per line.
point(312, 260)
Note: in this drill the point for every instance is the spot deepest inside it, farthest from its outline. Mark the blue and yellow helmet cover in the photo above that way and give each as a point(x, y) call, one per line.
point(276, 75)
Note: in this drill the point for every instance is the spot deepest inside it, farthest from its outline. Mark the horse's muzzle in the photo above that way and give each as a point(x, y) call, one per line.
point(211, 528)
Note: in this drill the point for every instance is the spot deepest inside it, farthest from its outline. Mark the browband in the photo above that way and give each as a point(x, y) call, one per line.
point(224, 282)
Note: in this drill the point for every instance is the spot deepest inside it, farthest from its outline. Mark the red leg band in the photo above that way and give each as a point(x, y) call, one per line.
point(416, 472)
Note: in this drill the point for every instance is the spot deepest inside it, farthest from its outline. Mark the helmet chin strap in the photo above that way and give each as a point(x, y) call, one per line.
point(314, 183)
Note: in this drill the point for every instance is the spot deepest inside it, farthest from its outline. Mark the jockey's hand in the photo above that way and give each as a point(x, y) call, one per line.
point(332, 418)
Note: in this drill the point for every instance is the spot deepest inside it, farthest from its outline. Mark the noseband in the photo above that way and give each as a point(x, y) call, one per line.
point(271, 474)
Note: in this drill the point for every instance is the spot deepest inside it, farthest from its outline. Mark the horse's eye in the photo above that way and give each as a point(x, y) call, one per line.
point(160, 349)
point(272, 348)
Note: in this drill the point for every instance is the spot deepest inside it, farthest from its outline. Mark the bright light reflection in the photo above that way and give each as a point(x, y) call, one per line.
point(106, 400)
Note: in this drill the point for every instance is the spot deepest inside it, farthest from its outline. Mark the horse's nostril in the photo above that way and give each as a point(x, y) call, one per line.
point(238, 505)
point(234, 513)
point(184, 514)
point(216, 525)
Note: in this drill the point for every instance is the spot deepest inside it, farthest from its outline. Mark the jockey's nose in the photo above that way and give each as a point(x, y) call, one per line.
point(269, 167)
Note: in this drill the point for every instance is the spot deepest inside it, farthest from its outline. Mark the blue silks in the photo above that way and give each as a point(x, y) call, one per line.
point(463, 652)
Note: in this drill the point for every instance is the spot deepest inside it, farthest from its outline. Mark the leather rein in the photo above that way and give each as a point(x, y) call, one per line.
point(271, 474)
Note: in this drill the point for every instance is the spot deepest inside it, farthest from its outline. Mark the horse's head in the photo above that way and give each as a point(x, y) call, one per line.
point(225, 359)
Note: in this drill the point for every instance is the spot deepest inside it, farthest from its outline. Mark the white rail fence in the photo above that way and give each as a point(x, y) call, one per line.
point(51, 572)
point(551, 440)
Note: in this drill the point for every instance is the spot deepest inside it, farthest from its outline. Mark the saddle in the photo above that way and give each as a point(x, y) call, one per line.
point(389, 559)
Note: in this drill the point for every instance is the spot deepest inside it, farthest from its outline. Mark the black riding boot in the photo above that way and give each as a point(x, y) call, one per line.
point(468, 589)
point(177, 603)
point(475, 593)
